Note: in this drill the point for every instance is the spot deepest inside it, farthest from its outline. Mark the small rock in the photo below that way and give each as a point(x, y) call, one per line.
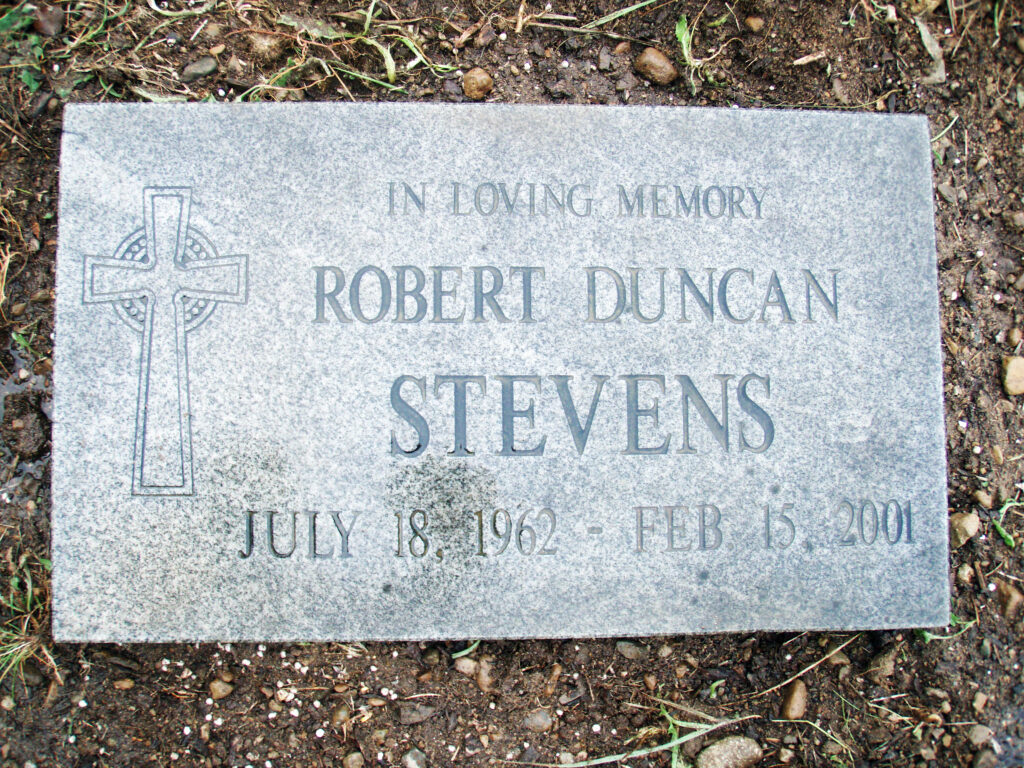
point(947, 192)
point(883, 665)
point(963, 526)
point(354, 760)
point(980, 735)
point(538, 721)
point(24, 428)
point(965, 574)
point(126, 684)
point(476, 84)
point(655, 66)
point(340, 716)
point(621, 49)
point(49, 20)
point(1015, 336)
point(786, 755)
point(485, 36)
point(412, 714)
point(218, 49)
point(219, 689)
point(794, 702)
point(986, 758)
point(467, 666)
point(1013, 375)
point(484, 674)
point(651, 681)
point(1009, 599)
point(980, 700)
point(1014, 219)
point(754, 23)
point(414, 758)
point(604, 59)
point(626, 83)
point(997, 455)
point(984, 498)
point(566, 757)
point(203, 67)
point(731, 752)
point(839, 659)
point(1020, 43)
point(631, 651)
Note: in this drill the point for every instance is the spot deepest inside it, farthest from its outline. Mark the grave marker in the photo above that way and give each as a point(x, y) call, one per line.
point(495, 371)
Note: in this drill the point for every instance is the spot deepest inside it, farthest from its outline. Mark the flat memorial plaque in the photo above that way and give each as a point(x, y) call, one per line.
point(496, 371)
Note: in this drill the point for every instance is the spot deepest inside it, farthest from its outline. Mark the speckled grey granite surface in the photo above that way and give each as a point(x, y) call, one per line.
point(213, 373)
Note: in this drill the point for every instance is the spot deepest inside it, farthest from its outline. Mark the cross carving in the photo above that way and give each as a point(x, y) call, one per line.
point(164, 281)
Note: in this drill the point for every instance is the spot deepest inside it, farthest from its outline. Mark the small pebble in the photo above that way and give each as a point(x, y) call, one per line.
point(948, 192)
point(984, 498)
point(219, 689)
point(655, 66)
point(979, 735)
point(731, 752)
point(883, 665)
point(124, 684)
point(354, 760)
point(631, 651)
point(467, 666)
point(477, 83)
point(794, 702)
point(1015, 336)
point(963, 526)
point(754, 23)
point(1009, 599)
point(980, 700)
point(340, 716)
point(198, 69)
point(538, 721)
point(414, 758)
point(1013, 375)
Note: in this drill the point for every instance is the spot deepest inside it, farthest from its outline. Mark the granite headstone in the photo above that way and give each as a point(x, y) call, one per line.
point(399, 371)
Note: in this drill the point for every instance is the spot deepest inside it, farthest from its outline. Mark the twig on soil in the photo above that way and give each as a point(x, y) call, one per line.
point(967, 26)
point(807, 669)
point(822, 731)
point(687, 710)
point(945, 130)
point(668, 745)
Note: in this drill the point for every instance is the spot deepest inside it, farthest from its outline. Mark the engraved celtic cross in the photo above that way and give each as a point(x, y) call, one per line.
point(164, 281)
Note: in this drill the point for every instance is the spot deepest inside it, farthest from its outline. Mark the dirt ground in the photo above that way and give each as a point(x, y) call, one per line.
point(950, 697)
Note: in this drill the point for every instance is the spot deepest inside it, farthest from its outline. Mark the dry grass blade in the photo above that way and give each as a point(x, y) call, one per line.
point(672, 744)
point(808, 668)
point(617, 14)
point(688, 710)
point(5, 264)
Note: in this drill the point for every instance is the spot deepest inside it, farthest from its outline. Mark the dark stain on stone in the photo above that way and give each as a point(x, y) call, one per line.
point(450, 493)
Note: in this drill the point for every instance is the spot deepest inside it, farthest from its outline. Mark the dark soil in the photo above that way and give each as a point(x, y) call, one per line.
point(887, 699)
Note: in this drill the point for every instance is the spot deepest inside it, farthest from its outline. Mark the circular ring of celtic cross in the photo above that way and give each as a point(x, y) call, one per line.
point(197, 248)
